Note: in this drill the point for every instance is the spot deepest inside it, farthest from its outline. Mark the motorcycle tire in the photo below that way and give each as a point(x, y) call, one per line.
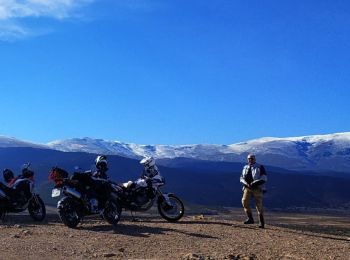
point(68, 214)
point(2, 215)
point(171, 213)
point(37, 209)
point(112, 213)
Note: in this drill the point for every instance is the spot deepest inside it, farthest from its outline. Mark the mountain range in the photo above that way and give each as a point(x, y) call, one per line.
point(321, 153)
point(311, 171)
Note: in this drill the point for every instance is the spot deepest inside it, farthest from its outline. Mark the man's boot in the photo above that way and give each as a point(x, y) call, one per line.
point(250, 219)
point(261, 221)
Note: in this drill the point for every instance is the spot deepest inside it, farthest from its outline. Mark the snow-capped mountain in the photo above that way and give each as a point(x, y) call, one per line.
point(13, 142)
point(316, 152)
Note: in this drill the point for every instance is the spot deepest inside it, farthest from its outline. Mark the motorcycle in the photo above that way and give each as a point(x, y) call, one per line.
point(21, 196)
point(143, 193)
point(84, 195)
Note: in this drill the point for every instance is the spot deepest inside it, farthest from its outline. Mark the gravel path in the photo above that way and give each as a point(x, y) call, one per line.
point(286, 236)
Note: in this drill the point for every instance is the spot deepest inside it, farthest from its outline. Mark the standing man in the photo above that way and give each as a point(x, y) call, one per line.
point(253, 178)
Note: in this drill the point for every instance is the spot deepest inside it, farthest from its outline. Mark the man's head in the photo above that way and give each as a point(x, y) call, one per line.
point(251, 159)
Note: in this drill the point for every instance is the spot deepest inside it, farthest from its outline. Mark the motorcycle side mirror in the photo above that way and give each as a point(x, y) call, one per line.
point(77, 169)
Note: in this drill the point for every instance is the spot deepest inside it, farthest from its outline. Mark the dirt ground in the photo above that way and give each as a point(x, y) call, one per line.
point(196, 236)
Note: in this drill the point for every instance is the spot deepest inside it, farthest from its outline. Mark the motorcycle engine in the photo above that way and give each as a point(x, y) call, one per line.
point(141, 197)
point(21, 199)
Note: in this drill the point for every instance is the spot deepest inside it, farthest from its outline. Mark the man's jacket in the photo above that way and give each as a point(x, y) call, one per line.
point(259, 176)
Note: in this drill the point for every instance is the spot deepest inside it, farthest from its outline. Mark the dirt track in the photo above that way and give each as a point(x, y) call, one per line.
point(287, 236)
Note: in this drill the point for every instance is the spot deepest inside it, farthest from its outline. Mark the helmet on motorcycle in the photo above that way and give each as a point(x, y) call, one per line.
point(26, 172)
point(148, 162)
point(101, 162)
point(8, 175)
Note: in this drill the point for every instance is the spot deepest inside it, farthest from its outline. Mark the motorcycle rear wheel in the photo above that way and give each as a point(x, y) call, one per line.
point(37, 209)
point(68, 214)
point(174, 212)
point(112, 213)
point(2, 215)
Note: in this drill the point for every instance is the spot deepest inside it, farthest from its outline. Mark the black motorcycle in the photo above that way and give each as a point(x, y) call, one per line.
point(79, 192)
point(20, 196)
point(142, 194)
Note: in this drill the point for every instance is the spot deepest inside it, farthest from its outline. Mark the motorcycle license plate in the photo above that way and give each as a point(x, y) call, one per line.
point(56, 193)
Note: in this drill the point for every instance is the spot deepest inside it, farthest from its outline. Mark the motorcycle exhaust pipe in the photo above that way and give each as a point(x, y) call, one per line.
point(72, 192)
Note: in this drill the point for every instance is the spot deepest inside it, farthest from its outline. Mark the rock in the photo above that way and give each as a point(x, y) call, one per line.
point(198, 217)
point(108, 254)
point(241, 257)
point(121, 250)
point(26, 232)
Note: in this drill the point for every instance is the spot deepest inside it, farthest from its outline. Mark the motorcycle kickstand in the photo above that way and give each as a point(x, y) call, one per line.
point(133, 219)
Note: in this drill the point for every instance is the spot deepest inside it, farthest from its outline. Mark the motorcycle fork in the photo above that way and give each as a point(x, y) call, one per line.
point(35, 198)
point(164, 197)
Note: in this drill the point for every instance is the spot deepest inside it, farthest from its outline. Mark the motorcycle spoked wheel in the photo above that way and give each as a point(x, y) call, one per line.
point(37, 209)
point(68, 214)
point(112, 213)
point(174, 212)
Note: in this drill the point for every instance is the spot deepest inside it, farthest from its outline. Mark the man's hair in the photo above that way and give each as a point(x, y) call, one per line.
point(251, 156)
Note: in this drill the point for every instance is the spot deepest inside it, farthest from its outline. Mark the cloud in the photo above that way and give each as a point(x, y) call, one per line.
point(11, 30)
point(13, 12)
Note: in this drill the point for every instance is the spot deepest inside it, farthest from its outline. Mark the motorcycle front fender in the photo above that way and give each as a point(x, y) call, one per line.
point(164, 196)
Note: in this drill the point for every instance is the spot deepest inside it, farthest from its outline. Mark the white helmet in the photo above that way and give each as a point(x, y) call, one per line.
point(148, 162)
point(101, 162)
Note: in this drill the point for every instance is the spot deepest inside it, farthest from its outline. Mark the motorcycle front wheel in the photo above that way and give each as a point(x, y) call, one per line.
point(36, 208)
point(68, 213)
point(112, 213)
point(172, 212)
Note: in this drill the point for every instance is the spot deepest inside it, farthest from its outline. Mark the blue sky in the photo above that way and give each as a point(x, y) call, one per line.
point(173, 72)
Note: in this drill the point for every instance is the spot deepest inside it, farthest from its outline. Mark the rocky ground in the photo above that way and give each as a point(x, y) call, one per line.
point(196, 236)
